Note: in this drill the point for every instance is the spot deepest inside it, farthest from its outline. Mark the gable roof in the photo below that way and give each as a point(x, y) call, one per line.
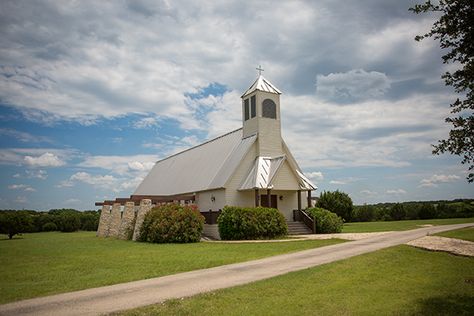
point(203, 167)
point(265, 169)
point(262, 173)
point(262, 84)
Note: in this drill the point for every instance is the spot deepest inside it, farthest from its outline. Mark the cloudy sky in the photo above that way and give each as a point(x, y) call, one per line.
point(92, 93)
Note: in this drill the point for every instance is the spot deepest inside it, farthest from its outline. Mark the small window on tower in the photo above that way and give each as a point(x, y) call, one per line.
point(246, 109)
point(253, 105)
point(269, 109)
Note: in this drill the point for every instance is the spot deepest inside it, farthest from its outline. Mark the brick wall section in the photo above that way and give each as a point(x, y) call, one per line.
point(145, 207)
point(115, 220)
point(104, 221)
point(128, 217)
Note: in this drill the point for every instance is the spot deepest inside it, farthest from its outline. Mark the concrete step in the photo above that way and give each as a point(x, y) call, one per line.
point(297, 228)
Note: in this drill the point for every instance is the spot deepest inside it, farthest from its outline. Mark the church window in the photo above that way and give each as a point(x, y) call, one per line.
point(269, 109)
point(253, 105)
point(246, 109)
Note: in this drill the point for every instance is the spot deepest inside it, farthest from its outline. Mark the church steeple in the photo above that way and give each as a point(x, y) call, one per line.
point(261, 115)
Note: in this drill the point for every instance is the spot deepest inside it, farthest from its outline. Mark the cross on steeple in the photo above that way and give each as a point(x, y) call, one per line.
point(260, 69)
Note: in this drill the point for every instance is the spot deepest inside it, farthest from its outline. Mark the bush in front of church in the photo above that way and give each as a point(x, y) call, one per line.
point(172, 223)
point(326, 222)
point(238, 223)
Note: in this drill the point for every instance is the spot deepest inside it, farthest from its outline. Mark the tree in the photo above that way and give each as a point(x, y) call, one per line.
point(455, 32)
point(398, 212)
point(15, 222)
point(336, 202)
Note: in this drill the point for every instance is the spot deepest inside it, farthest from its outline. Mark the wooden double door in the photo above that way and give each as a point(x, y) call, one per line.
point(273, 200)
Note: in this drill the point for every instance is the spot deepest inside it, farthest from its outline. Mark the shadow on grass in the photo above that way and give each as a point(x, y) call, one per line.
point(446, 305)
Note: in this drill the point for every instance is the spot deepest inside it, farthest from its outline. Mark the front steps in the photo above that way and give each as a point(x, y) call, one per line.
point(297, 228)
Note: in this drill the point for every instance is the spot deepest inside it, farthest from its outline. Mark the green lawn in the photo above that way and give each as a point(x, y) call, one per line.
point(366, 227)
point(48, 263)
point(396, 281)
point(463, 233)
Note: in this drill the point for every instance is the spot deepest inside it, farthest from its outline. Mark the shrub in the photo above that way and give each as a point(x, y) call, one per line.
point(326, 222)
point(69, 222)
point(336, 202)
point(49, 227)
point(237, 223)
point(172, 223)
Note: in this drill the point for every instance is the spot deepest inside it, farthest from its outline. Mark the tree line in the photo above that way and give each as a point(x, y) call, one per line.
point(13, 222)
point(340, 203)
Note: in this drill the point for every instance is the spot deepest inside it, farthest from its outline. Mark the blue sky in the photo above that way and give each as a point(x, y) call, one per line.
point(93, 93)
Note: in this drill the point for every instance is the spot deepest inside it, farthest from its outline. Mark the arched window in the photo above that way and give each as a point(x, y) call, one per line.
point(269, 109)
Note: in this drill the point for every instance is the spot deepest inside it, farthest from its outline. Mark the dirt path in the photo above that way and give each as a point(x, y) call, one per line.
point(145, 292)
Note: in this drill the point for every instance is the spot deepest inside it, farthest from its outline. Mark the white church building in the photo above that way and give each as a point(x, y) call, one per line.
point(250, 166)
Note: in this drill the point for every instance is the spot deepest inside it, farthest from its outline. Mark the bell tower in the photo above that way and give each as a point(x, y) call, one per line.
point(261, 116)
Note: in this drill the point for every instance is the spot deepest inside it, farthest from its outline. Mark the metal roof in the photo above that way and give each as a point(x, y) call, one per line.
point(262, 173)
point(203, 167)
point(305, 183)
point(262, 84)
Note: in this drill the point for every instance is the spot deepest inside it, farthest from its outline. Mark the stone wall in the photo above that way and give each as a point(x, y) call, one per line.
point(128, 220)
point(104, 221)
point(145, 207)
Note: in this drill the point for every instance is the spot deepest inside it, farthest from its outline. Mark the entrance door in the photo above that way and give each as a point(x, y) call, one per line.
point(273, 200)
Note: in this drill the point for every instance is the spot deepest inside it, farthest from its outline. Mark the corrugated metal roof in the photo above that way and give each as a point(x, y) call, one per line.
point(206, 166)
point(305, 183)
point(262, 173)
point(262, 84)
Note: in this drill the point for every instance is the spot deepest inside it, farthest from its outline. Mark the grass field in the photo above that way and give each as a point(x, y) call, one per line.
point(464, 233)
point(366, 227)
point(396, 281)
point(48, 263)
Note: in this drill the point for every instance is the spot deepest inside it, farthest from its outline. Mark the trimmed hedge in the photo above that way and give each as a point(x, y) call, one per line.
point(172, 223)
point(326, 222)
point(238, 223)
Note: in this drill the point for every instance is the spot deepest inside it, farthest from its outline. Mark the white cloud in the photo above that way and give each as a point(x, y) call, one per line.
point(106, 182)
point(121, 165)
point(316, 175)
point(146, 122)
point(434, 180)
point(24, 137)
point(45, 160)
point(38, 174)
point(353, 85)
point(369, 192)
point(23, 187)
point(396, 192)
point(100, 181)
point(344, 181)
point(37, 157)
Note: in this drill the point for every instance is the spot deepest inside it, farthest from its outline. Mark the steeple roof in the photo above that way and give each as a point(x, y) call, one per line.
point(262, 84)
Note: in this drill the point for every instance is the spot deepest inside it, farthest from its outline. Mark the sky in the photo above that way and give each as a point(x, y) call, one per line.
point(92, 93)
